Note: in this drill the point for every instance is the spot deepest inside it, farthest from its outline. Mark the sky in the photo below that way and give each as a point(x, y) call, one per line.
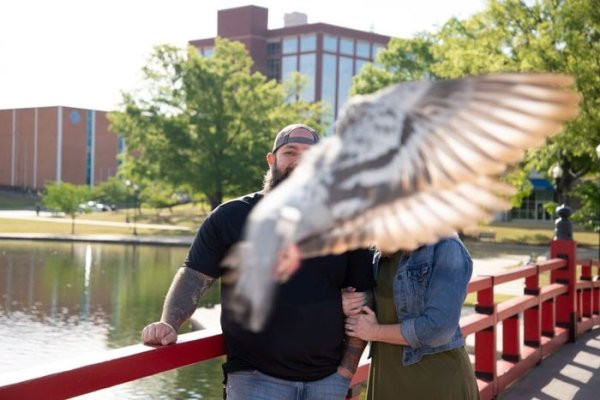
point(83, 53)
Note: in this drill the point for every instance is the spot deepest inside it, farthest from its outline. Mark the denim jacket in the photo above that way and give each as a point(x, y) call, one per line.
point(429, 290)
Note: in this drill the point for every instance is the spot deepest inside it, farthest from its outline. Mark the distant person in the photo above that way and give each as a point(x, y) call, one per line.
point(37, 209)
point(302, 352)
point(417, 345)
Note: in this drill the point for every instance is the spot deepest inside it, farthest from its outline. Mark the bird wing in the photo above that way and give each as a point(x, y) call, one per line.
point(419, 160)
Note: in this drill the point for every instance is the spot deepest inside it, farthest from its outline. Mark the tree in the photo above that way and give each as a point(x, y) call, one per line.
point(65, 197)
point(588, 214)
point(403, 60)
point(205, 122)
point(557, 36)
point(157, 195)
point(111, 191)
point(510, 35)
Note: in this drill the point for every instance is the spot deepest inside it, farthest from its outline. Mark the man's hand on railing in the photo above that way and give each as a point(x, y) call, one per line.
point(159, 333)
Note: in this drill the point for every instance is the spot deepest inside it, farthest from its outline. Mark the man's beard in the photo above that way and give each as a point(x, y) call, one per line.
point(274, 177)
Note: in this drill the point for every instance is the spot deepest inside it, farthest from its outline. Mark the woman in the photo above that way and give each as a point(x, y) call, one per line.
point(417, 346)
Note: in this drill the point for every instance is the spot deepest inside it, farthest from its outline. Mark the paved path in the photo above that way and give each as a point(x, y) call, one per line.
point(573, 372)
point(206, 317)
point(491, 258)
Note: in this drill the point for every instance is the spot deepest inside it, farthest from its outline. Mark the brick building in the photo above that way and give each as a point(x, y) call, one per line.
point(40, 145)
point(328, 55)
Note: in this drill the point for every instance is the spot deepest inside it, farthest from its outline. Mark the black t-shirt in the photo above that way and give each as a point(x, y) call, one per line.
point(303, 338)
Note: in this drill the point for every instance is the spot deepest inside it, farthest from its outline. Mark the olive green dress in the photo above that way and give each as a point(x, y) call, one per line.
point(443, 376)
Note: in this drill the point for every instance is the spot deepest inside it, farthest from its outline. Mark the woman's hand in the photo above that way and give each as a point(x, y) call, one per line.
point(363, 326)
point(352, 301)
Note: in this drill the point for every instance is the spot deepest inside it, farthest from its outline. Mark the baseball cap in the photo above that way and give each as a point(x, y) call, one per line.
point(289, 134)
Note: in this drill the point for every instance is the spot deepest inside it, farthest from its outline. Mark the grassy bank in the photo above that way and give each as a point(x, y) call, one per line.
point(531, 234)
point(17, 202)
point(56, 228)
point(187, 216)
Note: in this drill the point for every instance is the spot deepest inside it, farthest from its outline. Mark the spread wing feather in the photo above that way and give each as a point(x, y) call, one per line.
point(420, 160)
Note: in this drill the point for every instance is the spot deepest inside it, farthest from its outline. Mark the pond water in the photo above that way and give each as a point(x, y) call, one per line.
point(65, 300)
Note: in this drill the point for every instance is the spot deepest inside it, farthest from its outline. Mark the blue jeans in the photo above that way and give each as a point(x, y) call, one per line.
point(254, 385)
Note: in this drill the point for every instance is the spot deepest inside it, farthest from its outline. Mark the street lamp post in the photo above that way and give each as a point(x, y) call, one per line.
point(136, 188)
point(127, 185)
point(557, 173)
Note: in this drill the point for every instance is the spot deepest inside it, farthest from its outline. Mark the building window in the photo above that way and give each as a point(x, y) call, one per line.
point(328, 79)
point(347, 46)
point(274, 68)
point(344, 80)
point(376, 49)
point(89, 133)
point(74, 117)
point(273, 48)
point(120, 148)
point(359, 64)
point(308, 67)
point(363, 49)
point(120, 144)
point(308, 43)
point(330, 43)
point(290, 45)
point(208, 51)
point(532, 207)
point(288, 65)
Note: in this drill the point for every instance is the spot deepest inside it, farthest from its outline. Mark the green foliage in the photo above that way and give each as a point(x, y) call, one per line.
point(111, 191)
point(205, 122)
point(517, 178)
point(295, 106)
point(550, 207)
point(588, 214)
point(65, 197)
point(508, 36)
point(403, 60)
point(157, 195)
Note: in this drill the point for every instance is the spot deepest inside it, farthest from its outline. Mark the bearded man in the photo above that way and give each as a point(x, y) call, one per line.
point(302, 352)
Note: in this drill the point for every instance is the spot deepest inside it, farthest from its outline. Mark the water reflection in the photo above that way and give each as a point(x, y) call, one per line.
point(61, 300)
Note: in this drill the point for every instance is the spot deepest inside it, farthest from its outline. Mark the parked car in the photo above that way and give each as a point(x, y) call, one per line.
point(94, 206)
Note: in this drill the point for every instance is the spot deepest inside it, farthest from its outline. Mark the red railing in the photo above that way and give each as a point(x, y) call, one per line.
point(551, 315)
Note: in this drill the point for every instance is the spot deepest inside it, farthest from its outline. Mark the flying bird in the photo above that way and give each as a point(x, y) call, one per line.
point(407, 165)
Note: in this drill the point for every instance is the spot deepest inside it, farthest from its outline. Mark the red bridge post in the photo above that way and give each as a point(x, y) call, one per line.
point(485, 340)
point(596, 292)
point(566, 307)
point(586, 295)
point(532, 317)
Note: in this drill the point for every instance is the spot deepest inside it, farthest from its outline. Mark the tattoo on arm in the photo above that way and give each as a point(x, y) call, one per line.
point(354, 347)
point(183, 296)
